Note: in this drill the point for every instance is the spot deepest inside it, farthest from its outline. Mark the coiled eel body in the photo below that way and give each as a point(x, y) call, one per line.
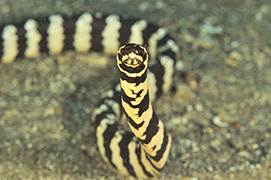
point(144, 151)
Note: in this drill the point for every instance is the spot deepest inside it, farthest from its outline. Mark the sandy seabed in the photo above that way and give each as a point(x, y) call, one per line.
point(218, 114)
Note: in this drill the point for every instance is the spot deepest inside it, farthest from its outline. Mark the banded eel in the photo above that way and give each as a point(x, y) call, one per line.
point(144, 151)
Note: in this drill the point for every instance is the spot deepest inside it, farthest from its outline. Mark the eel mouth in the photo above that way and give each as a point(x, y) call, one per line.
point(132, 60)
point(132, 55)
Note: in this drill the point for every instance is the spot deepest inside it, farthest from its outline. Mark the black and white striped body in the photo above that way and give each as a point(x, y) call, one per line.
point(144, 152)
point(132, 60)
